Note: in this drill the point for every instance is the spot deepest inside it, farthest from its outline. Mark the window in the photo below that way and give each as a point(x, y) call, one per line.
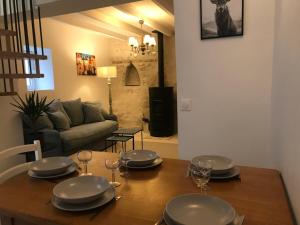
point(46, 68)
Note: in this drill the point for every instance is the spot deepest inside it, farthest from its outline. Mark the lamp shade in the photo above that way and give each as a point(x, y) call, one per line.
point(107, 72)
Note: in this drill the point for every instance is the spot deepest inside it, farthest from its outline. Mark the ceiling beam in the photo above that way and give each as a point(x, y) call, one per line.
point(118, 24)
point(62, 7)
point(148, 22)
point(166, 5)
point(88, 23)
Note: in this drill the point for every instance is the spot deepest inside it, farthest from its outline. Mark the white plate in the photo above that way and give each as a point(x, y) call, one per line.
point(192, 208)
point(141, 157)
point(234, 172)
point(70, 170)
point(104, 199)
point(51, 165)
point(156, 162)
point(79, 190)
point(220, 164)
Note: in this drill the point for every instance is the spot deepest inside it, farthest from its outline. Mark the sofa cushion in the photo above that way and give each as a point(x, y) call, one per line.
point(74, 111)
point(104, 113)
point(92, 113)
point(59, 120)
point(85, 134)
point(57, 106)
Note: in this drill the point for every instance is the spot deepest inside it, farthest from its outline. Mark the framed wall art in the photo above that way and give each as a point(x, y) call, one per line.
point(86, 64)
point(221, 18)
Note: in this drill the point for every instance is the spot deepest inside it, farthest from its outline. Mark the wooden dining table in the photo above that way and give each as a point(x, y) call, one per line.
point(259, 195)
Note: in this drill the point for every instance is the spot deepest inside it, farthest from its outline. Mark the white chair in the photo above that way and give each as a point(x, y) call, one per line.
point(11, 172)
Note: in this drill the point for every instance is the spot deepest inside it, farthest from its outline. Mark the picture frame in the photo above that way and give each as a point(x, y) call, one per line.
point(221, 18)
point(86, 64)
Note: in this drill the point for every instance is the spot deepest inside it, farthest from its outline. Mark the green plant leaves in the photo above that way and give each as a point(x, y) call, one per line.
point(33, 106)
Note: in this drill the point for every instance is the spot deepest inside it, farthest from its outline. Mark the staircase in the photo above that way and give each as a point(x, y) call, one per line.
point(13, 35)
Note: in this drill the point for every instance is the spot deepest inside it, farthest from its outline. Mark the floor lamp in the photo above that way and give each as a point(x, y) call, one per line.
point(108, 72)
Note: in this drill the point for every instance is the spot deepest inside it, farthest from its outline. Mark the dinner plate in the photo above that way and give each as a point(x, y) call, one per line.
point(167, 219)
point(70, 169)
point(221, 165)
point(192, 208)
point(104, 199)
point(51, 165)
point(79, 190)
point(156, 162)
point(141, 157)
point(234, 172)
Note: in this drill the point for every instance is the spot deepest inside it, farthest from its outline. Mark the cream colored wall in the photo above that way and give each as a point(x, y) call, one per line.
point(285, 98)
point(229, 81)
point(64, 41)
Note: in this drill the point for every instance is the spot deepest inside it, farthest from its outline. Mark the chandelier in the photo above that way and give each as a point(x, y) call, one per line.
point(146, 45)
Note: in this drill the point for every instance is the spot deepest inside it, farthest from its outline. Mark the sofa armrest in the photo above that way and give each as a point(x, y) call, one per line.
point(50, 140)
point(111, 117)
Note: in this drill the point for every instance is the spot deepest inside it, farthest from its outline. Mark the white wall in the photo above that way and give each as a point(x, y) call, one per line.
point(65, 41)
point(229, 81)
point(285, 98)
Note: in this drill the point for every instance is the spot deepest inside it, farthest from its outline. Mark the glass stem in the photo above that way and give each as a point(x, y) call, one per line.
point(85, 167)
point(113, 179)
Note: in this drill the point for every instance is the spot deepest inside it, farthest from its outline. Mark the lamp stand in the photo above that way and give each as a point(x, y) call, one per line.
point(109, 96)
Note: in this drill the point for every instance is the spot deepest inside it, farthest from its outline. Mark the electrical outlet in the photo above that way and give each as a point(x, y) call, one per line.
point(186, 104)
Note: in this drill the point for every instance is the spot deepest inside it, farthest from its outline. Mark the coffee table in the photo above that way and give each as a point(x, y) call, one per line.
point(115, 140)
point(130, 132)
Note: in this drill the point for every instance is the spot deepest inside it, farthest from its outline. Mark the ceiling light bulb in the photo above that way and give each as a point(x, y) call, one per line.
point(132, 41)
point(152, 41)
point(147, 39)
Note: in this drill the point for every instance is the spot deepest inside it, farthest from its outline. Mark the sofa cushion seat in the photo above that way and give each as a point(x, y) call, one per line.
point(84, 134)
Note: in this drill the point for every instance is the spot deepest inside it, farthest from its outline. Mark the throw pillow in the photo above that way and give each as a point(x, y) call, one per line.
point(43, 122)
point(74, 111)
point(57, 106)
point(92, 113)
point(59, 120)
point(104, 113)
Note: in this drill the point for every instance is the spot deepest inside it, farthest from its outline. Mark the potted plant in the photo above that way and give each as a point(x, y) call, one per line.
point(32, 108)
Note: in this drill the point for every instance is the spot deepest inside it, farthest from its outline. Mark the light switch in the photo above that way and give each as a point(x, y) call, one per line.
point(186, 104)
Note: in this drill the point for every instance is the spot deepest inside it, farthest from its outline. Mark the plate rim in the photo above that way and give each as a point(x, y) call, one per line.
point(236, 172)
point(152, 165)
point(101, 202)
point(71, 169)
point(138, 161)
point(217, 156)
point(207, 196)
point(104, 179)
point(71, 161)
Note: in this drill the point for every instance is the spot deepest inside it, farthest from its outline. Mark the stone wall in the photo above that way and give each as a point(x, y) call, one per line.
point(131, 103)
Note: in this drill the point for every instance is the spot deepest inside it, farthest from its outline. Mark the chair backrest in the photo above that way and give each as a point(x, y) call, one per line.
point(13, 171)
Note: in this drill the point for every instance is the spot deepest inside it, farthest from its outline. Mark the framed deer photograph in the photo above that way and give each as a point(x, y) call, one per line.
point(221, 18)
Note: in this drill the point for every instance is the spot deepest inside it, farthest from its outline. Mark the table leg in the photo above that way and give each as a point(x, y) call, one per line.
point(105, 146)
point(125, 146)
point(142, 139)
point(132, 142)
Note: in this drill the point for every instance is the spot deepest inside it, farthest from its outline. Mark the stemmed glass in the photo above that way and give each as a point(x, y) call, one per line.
point(124, 159)
point(113, 164)
point(84, 157)
point(200, 174)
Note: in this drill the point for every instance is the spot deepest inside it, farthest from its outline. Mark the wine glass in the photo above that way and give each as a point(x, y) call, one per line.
point(113, 164)
point(124, 159)
point(200, 174)
point(84, 157)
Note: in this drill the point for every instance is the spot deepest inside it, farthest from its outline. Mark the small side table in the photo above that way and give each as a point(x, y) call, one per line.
point(130, 132)
point(115, 140)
